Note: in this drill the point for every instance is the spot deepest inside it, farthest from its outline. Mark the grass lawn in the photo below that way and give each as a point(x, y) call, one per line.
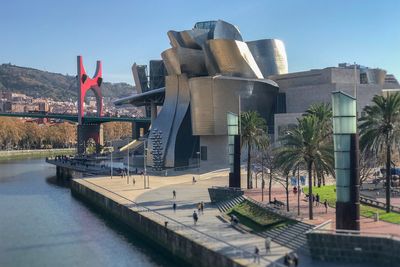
point(256, 218)
point(328, 192)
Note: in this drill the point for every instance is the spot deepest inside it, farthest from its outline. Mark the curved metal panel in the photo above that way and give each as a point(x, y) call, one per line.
point(184, 60)
point(180, 112)
point(213, 97)
point(270, 55)
point(170, 119)
point(193, 39)
point(165, 118)
point(175, 39)
point(233, 58)
point(225, 30)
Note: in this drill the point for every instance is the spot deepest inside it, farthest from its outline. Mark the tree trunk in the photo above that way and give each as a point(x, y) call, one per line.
point(249, 186)
point(315, 181)
point(310, 184)
point(388, 174)
point(319, 180)
point(287, 192)
point(270, 185)
point(323, 179)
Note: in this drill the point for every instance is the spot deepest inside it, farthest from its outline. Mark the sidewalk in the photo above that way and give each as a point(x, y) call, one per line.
point(209, 231)
point(319, 212)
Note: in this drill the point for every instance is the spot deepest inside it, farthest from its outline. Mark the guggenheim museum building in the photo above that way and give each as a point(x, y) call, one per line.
point(210, 71)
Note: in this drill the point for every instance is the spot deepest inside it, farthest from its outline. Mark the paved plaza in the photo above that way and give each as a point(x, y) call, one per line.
point(322, 215)
point(211, 231)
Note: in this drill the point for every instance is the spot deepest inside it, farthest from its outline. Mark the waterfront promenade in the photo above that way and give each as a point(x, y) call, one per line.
point(210, 231)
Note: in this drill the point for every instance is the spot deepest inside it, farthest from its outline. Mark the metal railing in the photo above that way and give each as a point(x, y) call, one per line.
point(378, 204)
point(283, 213)
point(236, 252)
point(319, 229)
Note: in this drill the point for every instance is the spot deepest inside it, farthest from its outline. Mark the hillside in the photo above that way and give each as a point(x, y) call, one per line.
point(37, 83)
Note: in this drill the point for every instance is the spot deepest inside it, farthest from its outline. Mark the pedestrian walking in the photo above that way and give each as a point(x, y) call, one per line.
point(199, 208)
point(133, 180)
point(174, 194)
point(193, 180)
point(234, 220)
point(202, 207)
point(287, 260)
point(317, 200)
point(195, 217)
point(267, 245)
point(312, 199)
point(256, 254)
point(326, 206)
point(295, 259)
point(174, 207)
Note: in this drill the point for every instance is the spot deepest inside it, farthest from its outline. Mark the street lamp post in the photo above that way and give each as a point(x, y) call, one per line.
point(298, 190)
point(127, 170)
point(111, 172)
point(198, 163)
point(262, 179)
point(145, 167)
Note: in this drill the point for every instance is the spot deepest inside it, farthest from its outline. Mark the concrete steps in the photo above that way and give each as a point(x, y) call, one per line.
point(224, 206)
point(292, 236)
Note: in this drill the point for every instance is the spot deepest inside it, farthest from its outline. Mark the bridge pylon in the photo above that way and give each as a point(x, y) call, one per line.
point(89, 131)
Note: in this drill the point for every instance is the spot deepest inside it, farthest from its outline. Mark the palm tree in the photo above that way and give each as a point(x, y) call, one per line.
point(253, 130)
point(323, 112)
point(380, 131)
point(305, 144)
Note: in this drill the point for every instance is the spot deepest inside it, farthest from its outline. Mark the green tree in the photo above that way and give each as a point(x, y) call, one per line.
point(380, 131)
point(323, 112)
point(253, 130)
point(305, 144)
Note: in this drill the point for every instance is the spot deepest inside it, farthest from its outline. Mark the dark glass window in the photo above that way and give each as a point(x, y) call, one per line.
point(203, 153)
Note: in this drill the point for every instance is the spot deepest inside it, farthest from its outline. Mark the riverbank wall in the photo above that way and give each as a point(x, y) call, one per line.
point(152, 226)
point(35, 153)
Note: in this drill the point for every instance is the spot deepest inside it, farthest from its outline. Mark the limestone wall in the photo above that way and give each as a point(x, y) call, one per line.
point(382, 250)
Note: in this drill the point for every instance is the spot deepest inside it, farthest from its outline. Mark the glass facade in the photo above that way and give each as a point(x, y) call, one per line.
point(344, 124)
point(233, 129)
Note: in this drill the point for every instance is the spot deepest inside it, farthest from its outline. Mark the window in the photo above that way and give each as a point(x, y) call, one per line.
point(203, 153)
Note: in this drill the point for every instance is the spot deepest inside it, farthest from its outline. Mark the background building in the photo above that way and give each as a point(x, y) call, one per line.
point(302, 89)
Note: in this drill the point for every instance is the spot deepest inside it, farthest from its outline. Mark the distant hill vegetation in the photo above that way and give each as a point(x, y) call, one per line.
point(38, 83)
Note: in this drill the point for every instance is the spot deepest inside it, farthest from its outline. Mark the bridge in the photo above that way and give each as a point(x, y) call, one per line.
point(72, 117)
point(89, 127)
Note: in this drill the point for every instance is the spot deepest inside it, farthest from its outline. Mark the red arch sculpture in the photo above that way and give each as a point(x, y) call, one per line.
point(85, 84)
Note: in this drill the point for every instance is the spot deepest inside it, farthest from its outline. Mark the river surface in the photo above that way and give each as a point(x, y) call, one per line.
point(41, 224)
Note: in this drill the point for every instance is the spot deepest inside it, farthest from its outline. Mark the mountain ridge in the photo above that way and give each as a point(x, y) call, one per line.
point(38, 83)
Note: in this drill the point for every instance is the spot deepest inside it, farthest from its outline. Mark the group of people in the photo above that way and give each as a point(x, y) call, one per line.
point(268, 241)
point(291, 259)
point(316, 201)
point(195, 215)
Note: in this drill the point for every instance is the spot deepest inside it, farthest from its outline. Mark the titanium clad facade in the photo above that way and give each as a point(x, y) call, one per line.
point(184, 60)
point(209, 71)
point(270, 55)
point(233, 58)
point(209, 117)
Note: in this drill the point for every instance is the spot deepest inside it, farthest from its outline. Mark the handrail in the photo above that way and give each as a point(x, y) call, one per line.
point(183, 226)
point(355, 233)
point(319, 226)
point(286, 214)
point(378, 204)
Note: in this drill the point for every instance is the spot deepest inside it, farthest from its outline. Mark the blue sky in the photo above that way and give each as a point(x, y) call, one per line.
point(49, 35)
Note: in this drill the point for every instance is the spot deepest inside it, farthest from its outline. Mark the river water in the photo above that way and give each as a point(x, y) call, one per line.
point(41, 224)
